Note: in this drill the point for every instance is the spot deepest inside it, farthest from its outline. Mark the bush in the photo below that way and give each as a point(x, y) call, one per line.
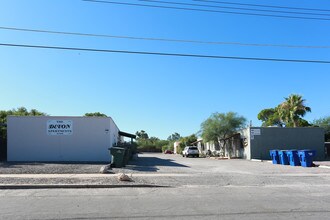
point(149, 148)
point(149, 145)
point(164, 148)
point(179, 149)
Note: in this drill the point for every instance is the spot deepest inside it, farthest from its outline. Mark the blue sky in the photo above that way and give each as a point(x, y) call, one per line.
point(158, 94)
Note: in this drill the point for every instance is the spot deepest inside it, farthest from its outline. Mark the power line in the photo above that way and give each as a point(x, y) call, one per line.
point(164, 54)
point(265, 6)
point(161, 39)
point(205, 10)
point(236, 8)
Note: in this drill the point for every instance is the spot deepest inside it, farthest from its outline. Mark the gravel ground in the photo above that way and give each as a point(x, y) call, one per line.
point(88, 181)
point(159, 163)
point(183, 181)
point(173, 170)
point(48, 168)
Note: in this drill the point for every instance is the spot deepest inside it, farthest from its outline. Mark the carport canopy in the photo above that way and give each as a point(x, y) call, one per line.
point(125, 134)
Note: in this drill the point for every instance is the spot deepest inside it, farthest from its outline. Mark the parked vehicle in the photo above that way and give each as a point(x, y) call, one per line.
point(190, 151)
point(168, 152)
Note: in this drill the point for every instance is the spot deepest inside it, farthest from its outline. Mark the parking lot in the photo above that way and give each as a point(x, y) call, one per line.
point(177, 171)
point(214, 172)
point(172, 163)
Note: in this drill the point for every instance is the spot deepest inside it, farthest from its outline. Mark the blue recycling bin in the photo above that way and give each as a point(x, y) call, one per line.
point(306, 157)
point(293, 157)
point(274, 156)
point(282, 154)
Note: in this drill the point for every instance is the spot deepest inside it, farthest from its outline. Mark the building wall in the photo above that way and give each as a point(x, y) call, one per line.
point(246, 151)
point(284, 139)
point(175, 147)
point(28, 139)
point(233, 147)
point(200, 145)
point(212, 147)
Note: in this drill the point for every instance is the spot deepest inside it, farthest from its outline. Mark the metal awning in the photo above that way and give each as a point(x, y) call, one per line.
point(125, 134)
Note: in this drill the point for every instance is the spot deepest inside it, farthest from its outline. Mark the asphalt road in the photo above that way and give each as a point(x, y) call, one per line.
point(200, 188)
point(168, 203)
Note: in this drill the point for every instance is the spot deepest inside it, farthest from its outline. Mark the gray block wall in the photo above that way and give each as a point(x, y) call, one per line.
point(286, 139)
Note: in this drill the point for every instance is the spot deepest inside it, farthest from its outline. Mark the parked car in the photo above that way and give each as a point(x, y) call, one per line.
point(190, 151)
point(168, 152)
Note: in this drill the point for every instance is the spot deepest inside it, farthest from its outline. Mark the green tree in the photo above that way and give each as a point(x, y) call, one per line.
point(270, 117)
point(162, 144)
point(3, 129)
point(3, 116)
point(153, 139)
point(292, 110)
point(95, 114)
point(221, 125)
point(174, 137)
point(141, 135)
point(186, 141)
point(324, 123)
point(288, 113)
point(145, 143)
point(35, 112)
point(21, 111)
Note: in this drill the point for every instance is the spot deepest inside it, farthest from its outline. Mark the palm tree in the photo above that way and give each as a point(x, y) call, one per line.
point(292, 109)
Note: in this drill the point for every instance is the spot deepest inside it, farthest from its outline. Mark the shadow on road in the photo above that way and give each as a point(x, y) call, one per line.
point(150, 164)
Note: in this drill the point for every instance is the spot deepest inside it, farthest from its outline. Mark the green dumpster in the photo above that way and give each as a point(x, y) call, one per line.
point(117, 159)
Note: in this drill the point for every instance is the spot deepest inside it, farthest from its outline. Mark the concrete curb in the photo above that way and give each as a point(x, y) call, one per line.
point(77, 186)
point(323, 166)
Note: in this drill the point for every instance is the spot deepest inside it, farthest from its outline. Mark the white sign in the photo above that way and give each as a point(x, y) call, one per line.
point(255, 132)
point(59, 127)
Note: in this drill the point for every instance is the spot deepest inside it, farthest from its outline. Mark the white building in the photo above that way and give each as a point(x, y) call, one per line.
point(176, 145)
point(49, 138)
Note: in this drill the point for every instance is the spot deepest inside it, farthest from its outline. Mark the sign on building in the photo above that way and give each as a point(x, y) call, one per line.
point(255, 131)
point(59, 127)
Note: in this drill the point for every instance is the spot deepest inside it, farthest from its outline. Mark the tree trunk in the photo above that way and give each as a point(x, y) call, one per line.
point(294, 122)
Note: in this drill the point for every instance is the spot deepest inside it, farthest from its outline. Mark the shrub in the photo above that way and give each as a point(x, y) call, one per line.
point(164, 148)
point(179, 149)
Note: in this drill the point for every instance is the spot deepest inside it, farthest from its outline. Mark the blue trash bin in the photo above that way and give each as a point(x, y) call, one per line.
point(283, 157)
point(306, 157)
point(293, 157)
point(274, 156)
